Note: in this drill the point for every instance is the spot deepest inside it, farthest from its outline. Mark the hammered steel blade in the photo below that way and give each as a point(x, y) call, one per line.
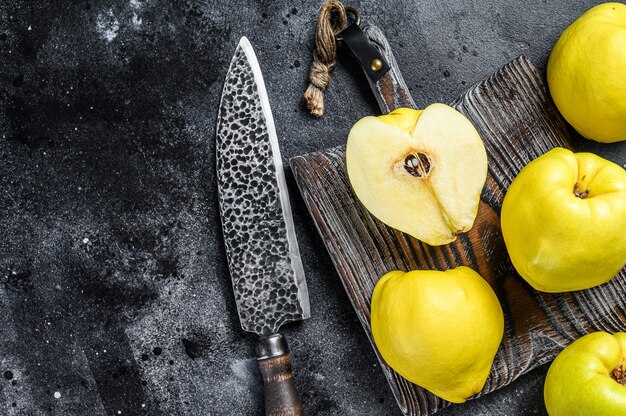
point(261, 246)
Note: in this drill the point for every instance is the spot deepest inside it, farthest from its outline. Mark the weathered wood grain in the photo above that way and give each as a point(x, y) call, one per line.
point(518, 122)
point(390, 91)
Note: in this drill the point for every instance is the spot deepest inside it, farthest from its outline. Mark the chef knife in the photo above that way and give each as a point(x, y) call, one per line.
point(259, 235)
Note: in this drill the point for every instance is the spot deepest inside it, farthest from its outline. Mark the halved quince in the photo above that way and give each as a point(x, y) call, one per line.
point(420, 172)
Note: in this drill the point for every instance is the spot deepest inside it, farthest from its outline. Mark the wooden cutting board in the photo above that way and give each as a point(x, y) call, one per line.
point(518, 122)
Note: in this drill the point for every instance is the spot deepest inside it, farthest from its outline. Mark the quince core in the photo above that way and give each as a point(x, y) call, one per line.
point(420, 172)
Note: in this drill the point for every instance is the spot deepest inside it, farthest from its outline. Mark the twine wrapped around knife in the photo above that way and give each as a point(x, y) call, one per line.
point(331, 21)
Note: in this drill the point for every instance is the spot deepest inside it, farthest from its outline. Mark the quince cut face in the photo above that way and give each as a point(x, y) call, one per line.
point(420, 172)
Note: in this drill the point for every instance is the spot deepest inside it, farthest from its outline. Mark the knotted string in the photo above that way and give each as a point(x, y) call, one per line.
point(331, 21)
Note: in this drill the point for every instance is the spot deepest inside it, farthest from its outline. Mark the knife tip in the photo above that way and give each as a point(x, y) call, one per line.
point(244, 42)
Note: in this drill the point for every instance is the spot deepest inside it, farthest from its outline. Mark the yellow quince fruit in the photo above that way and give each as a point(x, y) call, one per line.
point(420, 172)
point(588, 377)
point(439, 330)
point(564, 221)
point(587, 73)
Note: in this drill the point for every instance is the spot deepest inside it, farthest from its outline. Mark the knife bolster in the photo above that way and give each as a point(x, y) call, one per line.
point(274, 360)
point(271, 346)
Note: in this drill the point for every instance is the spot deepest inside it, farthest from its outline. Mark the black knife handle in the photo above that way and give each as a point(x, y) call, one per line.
point(274, 359)
point(390, 90)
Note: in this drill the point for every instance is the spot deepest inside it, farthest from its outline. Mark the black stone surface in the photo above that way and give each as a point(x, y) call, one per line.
point(115, 296)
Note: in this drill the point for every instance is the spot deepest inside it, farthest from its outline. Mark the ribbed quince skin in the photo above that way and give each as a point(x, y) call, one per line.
point(420, 172)
point(564, 221)
point(439, 330)
point(586, 73)
point(588, 378)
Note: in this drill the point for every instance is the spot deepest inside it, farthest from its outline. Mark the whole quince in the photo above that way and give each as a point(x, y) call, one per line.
point(586, 73)
point(588, 377)
point(564, 221)
point(439, 330)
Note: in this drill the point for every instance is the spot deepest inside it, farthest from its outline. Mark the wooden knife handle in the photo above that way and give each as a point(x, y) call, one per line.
point(274, 359)
point(391, 91)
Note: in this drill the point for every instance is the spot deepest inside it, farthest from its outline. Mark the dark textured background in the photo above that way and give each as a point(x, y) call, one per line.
point(115, 296)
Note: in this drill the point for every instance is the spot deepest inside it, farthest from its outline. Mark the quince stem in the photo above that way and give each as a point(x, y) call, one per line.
point(619, 374)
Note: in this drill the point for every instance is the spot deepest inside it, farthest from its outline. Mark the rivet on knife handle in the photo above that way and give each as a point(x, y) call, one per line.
point(274, 359)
